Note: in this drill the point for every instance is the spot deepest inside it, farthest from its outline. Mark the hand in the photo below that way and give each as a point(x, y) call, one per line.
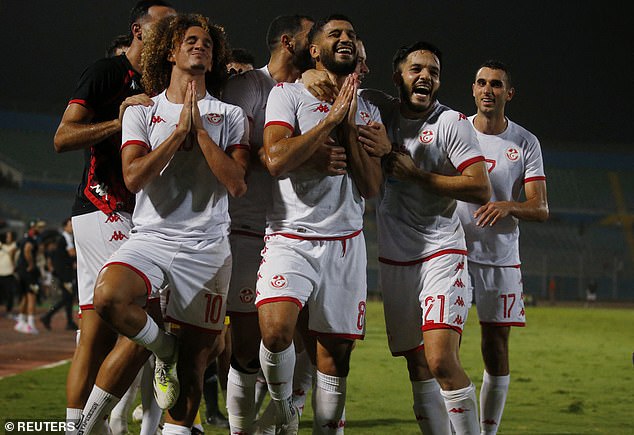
point(185, 118)
point(340, 107)
point(197, 122)
point(400, 165)
point(354, 103)
point(134, 100)
point(491, 212)
point(374, 139)
point(320, 84)
point(330, 158)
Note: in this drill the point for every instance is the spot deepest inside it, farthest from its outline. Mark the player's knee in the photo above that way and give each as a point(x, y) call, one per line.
point(442, 366)
point(277, 340)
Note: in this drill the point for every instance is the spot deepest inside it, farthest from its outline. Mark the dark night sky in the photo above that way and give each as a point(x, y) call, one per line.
point(571, 60)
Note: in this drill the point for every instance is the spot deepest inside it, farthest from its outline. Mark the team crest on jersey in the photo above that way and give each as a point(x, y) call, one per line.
point(365, 117)
point(426, 136)
point(512, 154)
point(278, 282)
point(246, 295)
point(214, 118)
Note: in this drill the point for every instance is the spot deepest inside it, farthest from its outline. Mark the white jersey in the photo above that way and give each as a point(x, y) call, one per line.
point(513, 158)
point(186, 201)
point(250, 91)
point(413, 223)
point(307, 202)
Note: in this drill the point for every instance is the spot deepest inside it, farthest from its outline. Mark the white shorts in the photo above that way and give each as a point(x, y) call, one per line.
point(328, 275)
point(247, 255)
point(430, 294)
point(97, 237)
point(499, 295)
point(196, 272)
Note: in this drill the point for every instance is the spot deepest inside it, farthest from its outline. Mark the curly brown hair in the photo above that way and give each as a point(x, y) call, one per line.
point(165, 36)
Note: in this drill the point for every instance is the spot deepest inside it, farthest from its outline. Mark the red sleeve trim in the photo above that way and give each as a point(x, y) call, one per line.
point(138, 143)
point(469, 162)
point(80, 102)
point(281, 123)
point(538, 178)
point(280, 299)
point(239, 146)
point(86, 307)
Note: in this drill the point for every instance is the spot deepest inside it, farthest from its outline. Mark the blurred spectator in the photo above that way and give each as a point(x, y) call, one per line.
point(241, 61)
point(119, 45)
point(29, 278)
point(8, 282)
point(552, 290)
point(62, 262)
point(591, 292)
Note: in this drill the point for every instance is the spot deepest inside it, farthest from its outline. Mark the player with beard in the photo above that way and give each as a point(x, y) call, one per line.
point(422, 252)
point(287, 39)
point(314, 251)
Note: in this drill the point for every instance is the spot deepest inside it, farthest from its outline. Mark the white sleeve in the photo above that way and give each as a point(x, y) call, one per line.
point(238, 130)
point(533, 164)
point(461, 141)
point(133, 128)
point(280, 108)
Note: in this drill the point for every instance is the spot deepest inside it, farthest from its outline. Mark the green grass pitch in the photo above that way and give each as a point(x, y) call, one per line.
point(571, 373)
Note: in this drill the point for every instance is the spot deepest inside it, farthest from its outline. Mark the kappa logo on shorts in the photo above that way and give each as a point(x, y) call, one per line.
point(458, 320)
point(112, 218)
point(460, 301)
point(246, 296)
point(458, 283)
point(117, 236)
point(278, 282)
point(512, 154)
point(522, 313)
point(426, 136)
point(214, 118)
point(459, 266)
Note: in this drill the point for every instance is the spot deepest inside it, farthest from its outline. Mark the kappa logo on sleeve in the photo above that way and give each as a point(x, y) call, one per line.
point(156, 119)
point(278, 282)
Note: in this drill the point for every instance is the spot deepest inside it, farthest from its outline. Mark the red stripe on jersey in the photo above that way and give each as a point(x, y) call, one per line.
point(334, 334)
point(148, 286)
point(538, 178)
point(295, 236)
point(136, 142)
point(196, 327)
point(422, 260)
point(281, 123)
point(469, 162)
point(280, 299)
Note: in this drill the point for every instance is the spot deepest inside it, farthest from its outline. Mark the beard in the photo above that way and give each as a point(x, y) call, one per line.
point(406, 97)
point(302, 60)
point(338, 67)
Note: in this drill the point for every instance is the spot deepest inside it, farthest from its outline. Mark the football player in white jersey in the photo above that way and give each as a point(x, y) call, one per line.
point(287, 39)
point(514, 161)
point(421, 243)
point(315, 252)
point(181, 156)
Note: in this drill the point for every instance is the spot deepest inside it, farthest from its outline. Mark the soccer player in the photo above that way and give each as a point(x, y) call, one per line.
point(182, 156)
point(241, 60)
point(514, 162)
point(287, 39)
point(29, 276)
point(422, 252)
point(101, 212)
point(314, 248)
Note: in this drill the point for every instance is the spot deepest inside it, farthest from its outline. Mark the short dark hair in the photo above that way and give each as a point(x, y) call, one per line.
point(319, 25)
point(402, 53)
point(284, 24)
point(120, 41)
point(498, 64)
point(241, 55)
point(141, 8)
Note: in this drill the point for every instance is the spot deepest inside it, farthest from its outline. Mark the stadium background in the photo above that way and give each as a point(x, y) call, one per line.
point(570, 62)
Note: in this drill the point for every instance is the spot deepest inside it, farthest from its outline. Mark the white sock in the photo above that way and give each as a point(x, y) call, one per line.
point(72, 415)
point(173, 429)
point(330, 400)
point(97, 408)
point(429, 407)
point(492, 400)
point(463, 410)
point(155, 339)
point(21, 318)
point(260, 391)
point(302, 379)
point(278, 371)
point(31, 320)
point(151, 412)
point(241, 400)
point(119, 415)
